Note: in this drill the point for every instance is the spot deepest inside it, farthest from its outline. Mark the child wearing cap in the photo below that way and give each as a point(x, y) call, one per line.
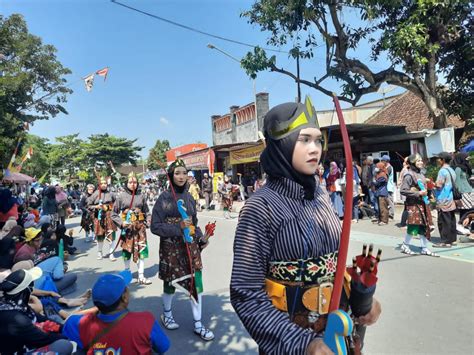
point(114, 328)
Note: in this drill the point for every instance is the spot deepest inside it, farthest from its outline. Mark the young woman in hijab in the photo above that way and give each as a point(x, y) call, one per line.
point(333, 186)
point(18, 333)
point(101, 202)
point(419, 213)
point(87, 218)
point(177, 257)
point(463, 171)
point(286, 226)
point(130, 213)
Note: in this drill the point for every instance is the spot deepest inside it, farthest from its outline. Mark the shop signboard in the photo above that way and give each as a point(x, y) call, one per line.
point(246, 155)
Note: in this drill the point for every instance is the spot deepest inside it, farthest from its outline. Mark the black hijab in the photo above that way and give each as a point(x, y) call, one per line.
point(412, 162)
point(460, 161)
point(277, 157)
point(177, 163)
point(6, 200)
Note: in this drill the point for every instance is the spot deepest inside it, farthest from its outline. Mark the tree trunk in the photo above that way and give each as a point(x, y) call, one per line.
point(437, 111)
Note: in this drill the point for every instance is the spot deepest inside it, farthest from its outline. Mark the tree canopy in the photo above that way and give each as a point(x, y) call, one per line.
point(157, 154)
point(422, 39)
point(32, 83)
point(73, 157)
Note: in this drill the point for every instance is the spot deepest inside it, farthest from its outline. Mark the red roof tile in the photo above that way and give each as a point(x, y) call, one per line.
point(410, 111)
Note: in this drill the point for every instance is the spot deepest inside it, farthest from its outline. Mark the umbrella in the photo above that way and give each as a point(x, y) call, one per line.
point(18, 178)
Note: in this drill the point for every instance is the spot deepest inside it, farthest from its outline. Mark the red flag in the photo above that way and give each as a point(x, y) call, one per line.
point(103, 72)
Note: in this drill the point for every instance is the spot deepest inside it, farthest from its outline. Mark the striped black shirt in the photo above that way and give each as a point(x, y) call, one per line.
point(278, 224)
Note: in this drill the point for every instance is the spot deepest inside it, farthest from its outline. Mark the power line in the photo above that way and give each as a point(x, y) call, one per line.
point(194, 29)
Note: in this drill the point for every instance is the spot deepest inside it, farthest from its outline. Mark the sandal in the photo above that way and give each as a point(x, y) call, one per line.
point(204, 333)
point(428, 252)
point(144, 281)
point(441, 245)
point(405, 249)
point(169, 322)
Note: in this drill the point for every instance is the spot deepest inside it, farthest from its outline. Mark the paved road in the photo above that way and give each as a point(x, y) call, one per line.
point(427, 302)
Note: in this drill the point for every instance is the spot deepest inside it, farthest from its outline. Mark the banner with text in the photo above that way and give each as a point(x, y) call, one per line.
point(246, 155)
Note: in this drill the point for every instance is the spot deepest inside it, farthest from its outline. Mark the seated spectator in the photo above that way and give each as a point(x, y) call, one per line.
point(8, 206)
point(20, 332)
point(365, 209)
point(54, 276)
point(8, 226)
point(67, 239)
point(29, 221)
point(7, 253)
point(52, 303)
point(114, 325)
point(33, 240)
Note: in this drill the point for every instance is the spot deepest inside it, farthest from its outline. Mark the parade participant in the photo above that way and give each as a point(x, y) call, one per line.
point(18, 333)
point(413, 187)
point(225, 190)
point(180, 262)
point(87, 219)
point(114, 329)
point(287, 240)
point(206, 185)
point(101, 202)
point(130, 213)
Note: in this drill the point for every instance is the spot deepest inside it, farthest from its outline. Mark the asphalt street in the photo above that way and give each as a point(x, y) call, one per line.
point(427, 303)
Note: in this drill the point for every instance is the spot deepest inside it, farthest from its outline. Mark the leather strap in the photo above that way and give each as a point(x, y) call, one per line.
point(105, 331)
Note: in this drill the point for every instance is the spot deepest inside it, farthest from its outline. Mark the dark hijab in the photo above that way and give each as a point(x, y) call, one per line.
point(412, 162)
point(6, 200)
point(177, 163)
point(277, 157)
point(460, 161)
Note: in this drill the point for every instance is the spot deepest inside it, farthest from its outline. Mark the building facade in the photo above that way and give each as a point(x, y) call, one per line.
point(241, 124)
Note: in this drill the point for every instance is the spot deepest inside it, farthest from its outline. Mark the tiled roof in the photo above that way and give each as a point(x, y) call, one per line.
point(410, 111)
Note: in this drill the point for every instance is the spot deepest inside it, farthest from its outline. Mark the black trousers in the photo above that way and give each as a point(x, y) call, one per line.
point(447, 226)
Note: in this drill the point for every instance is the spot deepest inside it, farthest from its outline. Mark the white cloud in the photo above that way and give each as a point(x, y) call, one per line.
point(164, 121)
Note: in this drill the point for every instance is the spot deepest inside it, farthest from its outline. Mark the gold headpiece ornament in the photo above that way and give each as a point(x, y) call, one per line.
point(305, 116)
point(177, 163)
point(132, 175)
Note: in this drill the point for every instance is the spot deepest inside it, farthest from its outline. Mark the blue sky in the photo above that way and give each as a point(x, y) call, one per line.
point(164, 83)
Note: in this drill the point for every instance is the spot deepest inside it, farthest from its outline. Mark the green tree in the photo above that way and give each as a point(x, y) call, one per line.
point(32, 84)
point(157, 155)
point(423, 39)
point(102, 148)
point(67, 156)
point(38, 164)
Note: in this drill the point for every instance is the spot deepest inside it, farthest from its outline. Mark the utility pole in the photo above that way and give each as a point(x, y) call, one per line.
point(298, 77)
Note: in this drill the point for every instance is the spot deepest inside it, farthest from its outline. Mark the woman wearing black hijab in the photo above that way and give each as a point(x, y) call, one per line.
point(180, 261)
point(287, 240)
